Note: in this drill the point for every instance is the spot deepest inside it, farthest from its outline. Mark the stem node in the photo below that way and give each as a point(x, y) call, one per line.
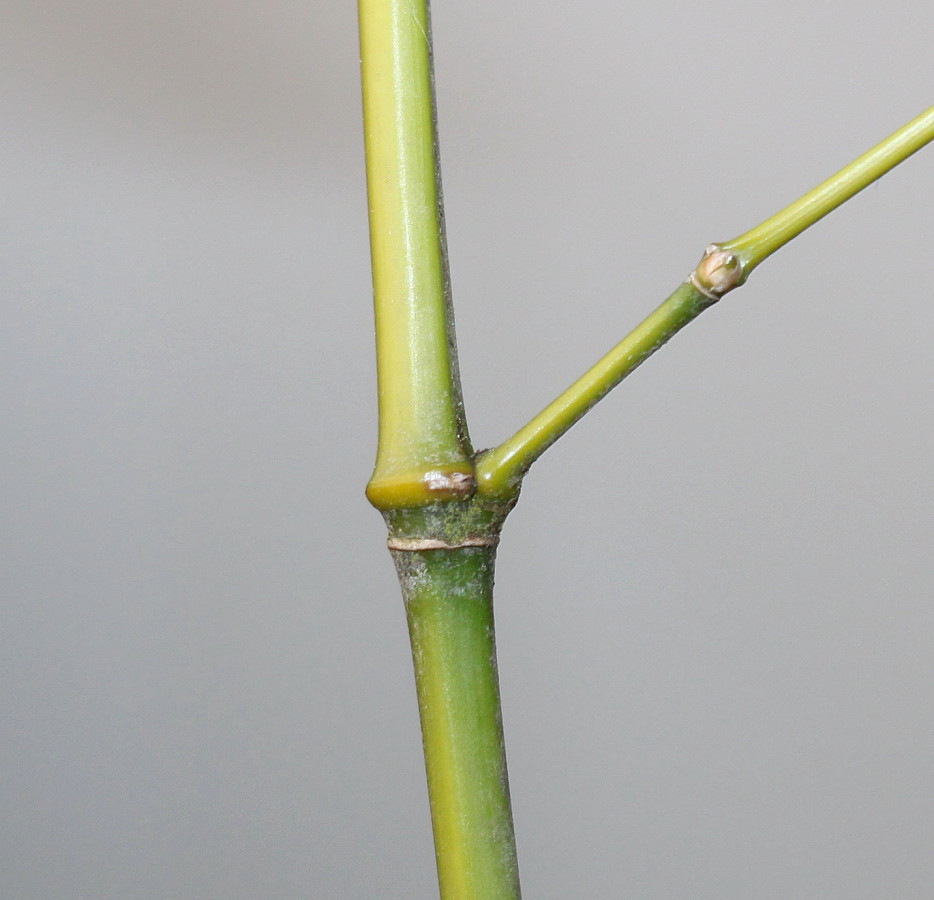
point(718, 272)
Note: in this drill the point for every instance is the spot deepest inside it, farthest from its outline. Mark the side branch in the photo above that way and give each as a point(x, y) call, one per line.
point(723, 267)
point(499, 472)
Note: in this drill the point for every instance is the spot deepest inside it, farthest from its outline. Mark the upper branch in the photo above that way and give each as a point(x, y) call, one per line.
point(762, 241)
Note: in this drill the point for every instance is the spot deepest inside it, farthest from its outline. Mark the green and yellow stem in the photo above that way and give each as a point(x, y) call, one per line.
point(422, 428)
point(444, 509)
point(442, 537)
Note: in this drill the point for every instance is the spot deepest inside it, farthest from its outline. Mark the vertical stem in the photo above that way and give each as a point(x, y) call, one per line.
point(421, 418)
point(449, 604)
point(424, 472)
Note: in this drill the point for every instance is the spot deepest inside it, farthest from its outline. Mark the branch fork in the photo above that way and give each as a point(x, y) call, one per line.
point(443, 504)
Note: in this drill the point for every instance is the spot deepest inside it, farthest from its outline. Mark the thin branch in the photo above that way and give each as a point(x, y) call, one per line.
point(723, 267)
point(762, 241)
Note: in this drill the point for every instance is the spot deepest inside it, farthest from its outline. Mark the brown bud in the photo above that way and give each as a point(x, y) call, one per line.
point(718, 271)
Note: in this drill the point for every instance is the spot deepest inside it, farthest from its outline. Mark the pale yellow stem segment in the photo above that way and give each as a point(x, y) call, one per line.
point(421, 422)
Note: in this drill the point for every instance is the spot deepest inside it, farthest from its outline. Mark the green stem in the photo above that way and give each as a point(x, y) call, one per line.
point(499, 472)
point(421, 419)
point(449, 605)
point(724, 267)
point(424, 472)
point(762, 241)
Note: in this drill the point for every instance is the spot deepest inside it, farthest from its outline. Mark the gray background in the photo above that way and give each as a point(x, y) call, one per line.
point(715, 611)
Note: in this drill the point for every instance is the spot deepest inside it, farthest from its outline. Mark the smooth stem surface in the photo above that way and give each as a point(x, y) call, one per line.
point(421, 421)
point(449, 604)
point(760, 242)
point(499, 471)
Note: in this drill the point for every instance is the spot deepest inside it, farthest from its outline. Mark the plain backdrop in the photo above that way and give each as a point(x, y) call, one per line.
point(716, 597)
